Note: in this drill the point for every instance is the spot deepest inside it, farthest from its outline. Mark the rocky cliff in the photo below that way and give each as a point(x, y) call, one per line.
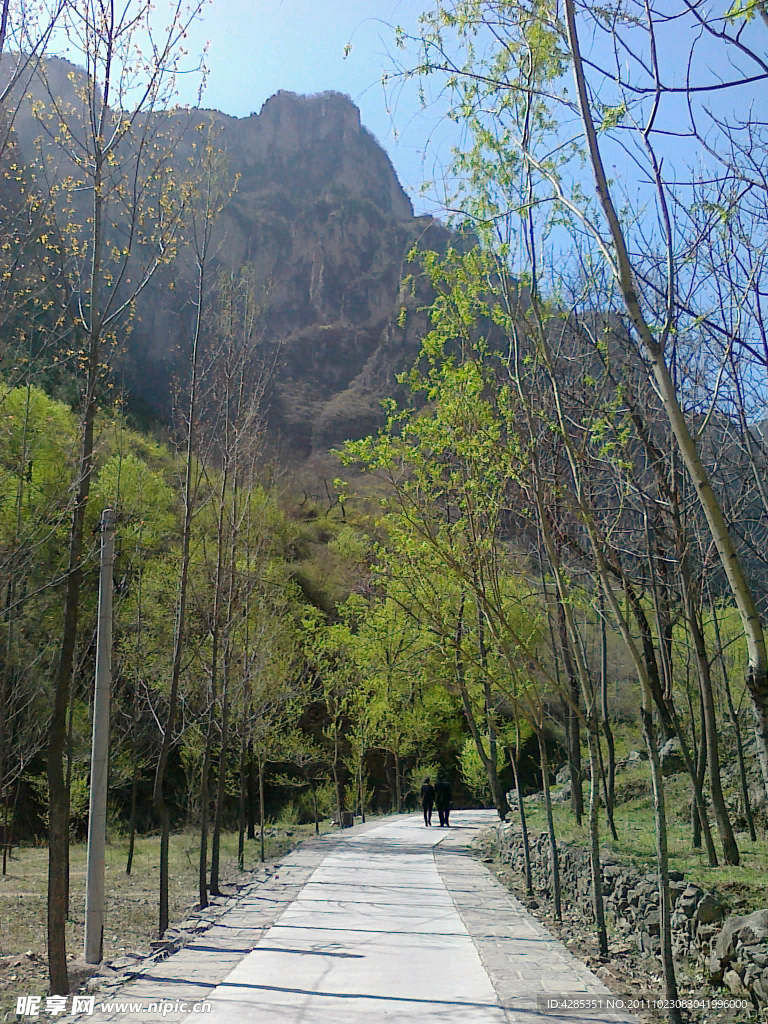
point(319, 214)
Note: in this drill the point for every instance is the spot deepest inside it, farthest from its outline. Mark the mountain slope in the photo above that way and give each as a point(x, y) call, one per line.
point(320, 216)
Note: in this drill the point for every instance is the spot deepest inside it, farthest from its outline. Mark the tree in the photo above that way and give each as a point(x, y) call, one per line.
point(506, 64)
point(205, 205)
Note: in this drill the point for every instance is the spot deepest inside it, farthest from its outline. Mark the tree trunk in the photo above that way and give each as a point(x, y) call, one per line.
point(572, 703)
point(241, 809)
point(221, 790)
point(252, 786)
point(70, 759)
point(554, 859)
point(609, 776)
point(664, 632)
point(662, 863)
point(158, 792)
point(733, 714)
point(652, 664)
point(727, 838)
point(523, 822)
point(205, 774)
point(58, 802)
point(497, 791)
point(314, 806)
point(594, 839)
point(132, 820)
point(262, 853)
point(701, 771)
point(499, 799)
point(337, 785)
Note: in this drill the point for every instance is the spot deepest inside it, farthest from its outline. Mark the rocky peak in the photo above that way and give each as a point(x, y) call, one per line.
point(325, 226)
point(319, 142)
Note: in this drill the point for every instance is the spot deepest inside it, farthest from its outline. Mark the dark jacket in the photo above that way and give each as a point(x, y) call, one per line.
point(442, 793)
point(427, 795)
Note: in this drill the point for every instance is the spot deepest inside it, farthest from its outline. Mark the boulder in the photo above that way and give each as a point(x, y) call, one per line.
point(708, 910)
point(732, 981)
point(747, 929)
point(688, 900)
point(671, 757)
point(716, 969)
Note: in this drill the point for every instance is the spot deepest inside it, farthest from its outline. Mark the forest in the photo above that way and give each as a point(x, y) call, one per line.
point(557, 534)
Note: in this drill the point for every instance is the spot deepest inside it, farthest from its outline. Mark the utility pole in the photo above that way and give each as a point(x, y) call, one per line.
point(97, 808)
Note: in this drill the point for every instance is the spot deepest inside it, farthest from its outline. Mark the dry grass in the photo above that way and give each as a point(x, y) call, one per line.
point(131, 911)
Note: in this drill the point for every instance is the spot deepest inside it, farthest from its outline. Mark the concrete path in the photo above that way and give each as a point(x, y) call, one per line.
point(387, 923)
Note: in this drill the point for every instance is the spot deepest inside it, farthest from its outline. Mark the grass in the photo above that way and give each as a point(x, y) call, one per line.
point(131, 901)
point(742, 888)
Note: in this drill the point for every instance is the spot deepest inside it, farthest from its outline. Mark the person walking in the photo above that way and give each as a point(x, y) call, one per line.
point(427, 800)
point(443, 800)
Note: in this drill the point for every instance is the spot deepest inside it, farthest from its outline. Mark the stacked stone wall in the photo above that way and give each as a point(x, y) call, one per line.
point(733, 950)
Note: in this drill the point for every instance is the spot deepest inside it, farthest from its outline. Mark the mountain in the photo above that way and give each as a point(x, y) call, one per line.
point(319, 214)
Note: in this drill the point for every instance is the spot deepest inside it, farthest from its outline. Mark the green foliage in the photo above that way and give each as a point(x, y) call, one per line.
point(79, 795)
point(473, 771)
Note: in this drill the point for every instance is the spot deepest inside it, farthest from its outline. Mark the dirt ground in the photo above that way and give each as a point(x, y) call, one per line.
point(131, 911)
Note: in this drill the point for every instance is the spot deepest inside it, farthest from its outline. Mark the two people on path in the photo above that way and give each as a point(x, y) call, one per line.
point(438, 796)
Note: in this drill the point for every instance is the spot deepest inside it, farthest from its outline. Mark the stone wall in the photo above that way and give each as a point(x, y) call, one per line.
point(733, 951)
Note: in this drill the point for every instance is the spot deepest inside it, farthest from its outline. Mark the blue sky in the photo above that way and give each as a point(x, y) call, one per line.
point(260, 46)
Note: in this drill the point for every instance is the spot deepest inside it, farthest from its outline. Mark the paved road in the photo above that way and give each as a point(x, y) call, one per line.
point(388, 923)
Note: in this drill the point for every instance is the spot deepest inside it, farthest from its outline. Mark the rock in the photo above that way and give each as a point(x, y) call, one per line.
point(689, 899)
point(760, 989)
point(163, 945)
point(751, 973)
point(745, 929)
point(635, 757)
point(122, 963)
point(671, 757)
point(649, 943)
point(732, 981)
point(652, 922)
point(756, 954)
point(709, 910)
point(704, 935)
